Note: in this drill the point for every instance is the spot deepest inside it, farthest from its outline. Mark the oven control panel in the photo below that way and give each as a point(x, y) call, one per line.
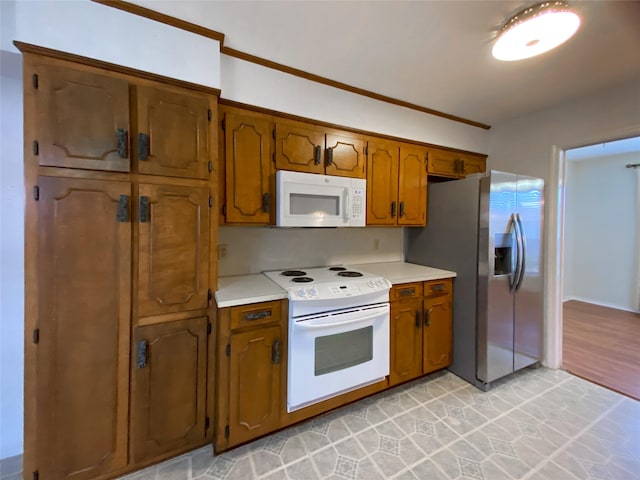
point(327, 291)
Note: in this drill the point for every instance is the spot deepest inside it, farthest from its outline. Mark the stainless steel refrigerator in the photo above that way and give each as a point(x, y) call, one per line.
point(488, 229)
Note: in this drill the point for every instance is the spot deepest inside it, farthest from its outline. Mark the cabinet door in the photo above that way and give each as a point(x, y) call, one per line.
point(437, 333)
point(443, 163)
point(299, 147)
point(412, 186)
point(382, 183)
point(81, 369)
point(82, 120)
point(172, 137)
point(254, 383)
point(474, 165)
point(173, 249)
point(248, 147)
point(169, 374)
point(345, 156)
point(406, 340)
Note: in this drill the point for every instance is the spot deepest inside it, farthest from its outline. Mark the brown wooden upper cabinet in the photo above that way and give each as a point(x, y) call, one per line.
point(82, 120)
point(248, 195)
point(444, 163)
point(84, 117)
point(173, 136)
point(396, 183)
point(304, 147)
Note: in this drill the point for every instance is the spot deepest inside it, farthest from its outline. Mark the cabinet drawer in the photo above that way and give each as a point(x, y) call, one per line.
point(405, 290)
point(436, 288)
point(255, 314)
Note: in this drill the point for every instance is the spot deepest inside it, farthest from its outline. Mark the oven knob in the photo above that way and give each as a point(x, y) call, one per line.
point(371, 284)
point(302, 293)
point(380, 283)
point(313, 291)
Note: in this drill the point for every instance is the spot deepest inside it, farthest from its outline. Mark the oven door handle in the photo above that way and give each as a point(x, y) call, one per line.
point(366, 318)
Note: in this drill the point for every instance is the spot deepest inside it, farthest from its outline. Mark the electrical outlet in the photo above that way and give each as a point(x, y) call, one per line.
point(222, 251)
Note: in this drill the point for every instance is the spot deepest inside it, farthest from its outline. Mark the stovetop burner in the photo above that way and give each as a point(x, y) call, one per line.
point(293, 273)
point(302, 279)
point(349, 273)
point(337, 269)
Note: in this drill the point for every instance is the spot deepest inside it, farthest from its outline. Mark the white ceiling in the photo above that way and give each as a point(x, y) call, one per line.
point(436, 54)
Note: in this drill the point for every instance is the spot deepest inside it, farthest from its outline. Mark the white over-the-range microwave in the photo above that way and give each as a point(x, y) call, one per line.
point(313, 200)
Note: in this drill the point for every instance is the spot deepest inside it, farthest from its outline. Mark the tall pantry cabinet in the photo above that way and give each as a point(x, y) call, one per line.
point(119, 181)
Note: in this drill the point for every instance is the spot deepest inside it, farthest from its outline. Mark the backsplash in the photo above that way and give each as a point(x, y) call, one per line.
point(244, 250)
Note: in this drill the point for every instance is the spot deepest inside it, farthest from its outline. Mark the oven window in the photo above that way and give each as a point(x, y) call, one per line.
point(343, 350)
point(305, 204)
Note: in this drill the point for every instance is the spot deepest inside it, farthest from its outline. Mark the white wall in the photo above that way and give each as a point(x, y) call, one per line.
point(601, 224)
point(255, 249)
point(11, 255)
point(533, 145)
point(256, 85)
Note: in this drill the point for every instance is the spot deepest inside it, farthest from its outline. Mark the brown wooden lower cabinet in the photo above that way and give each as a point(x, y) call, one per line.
point(421, 335)
point(168, 395)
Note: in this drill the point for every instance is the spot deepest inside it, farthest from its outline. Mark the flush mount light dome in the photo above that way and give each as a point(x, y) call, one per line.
point(536, 30)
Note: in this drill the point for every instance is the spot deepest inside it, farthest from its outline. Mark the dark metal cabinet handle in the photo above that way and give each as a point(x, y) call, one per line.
point(266, 200)
point(317, 154)
point(123, 208)
point(418, 320)
point(258, 315)
point(275, 352)
point(123, 142)
point(393, 209)
point(439, 287)
point(141, 357)
point(407, 291)
point(329, 157)
point(144, 209)
point(143, 146)
point(427, 317)
point(401, 210)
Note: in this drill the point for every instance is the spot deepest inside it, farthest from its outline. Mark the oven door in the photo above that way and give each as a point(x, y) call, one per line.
point(335, 352)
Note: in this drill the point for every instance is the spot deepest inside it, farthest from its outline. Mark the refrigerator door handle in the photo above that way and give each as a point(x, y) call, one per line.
point(523, 246)
point(516, 273)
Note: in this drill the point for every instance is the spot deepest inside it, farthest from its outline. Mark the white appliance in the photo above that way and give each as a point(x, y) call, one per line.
point(312, 200)
point(338, 331)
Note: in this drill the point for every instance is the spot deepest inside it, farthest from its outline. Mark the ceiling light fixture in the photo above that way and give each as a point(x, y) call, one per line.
point(536, 30)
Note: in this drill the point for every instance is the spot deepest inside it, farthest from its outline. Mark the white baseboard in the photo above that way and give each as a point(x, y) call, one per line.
point(626, 308)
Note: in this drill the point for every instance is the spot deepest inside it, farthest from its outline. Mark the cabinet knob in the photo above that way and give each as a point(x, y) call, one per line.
point(143, 146)
point(122, 137)
point(393, 209)
point(317, 154)
point(266, 200)
point(427, 317)
point(401, 210)
point(275, 352)
point(329, 157)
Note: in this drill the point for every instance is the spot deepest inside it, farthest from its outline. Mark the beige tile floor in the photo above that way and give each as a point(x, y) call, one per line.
point(538, 424)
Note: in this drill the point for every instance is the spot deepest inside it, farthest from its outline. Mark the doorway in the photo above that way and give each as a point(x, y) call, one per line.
point(601, 265)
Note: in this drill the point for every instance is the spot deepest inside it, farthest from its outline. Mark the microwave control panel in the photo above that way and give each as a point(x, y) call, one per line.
point(356, 204)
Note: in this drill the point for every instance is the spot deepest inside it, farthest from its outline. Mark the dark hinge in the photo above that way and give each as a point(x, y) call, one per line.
point(418, 319)
point(209, 328)
point(207, 422)
point(224, 210)
point(317, 154)
point(209, 114)
point(401, 210)
point(427, 317)
point(210, 201)
point(224, 124)
point(366, 149)
point(141, 359)
point(273, 133)
point(122, 139)
point(275, 352)
point(36, 147)
point(143, 146)
point(266, 200)
point(227, 350)
point(329, 157)
point(36, 193)
point(226, 431)
point(393, 209)
point(273, 157)
point(36, 335)
point(36, 475)
point(34, 81)
point(144, 209)
point(123, 208)
point(210, 167)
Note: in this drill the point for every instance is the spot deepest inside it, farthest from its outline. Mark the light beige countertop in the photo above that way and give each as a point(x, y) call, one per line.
point(245, 289)
point(402, 272)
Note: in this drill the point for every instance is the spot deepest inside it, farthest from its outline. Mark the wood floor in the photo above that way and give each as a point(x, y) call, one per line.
point(602, 345)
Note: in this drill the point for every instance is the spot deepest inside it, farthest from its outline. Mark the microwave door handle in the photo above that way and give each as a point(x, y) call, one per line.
point(346, 195)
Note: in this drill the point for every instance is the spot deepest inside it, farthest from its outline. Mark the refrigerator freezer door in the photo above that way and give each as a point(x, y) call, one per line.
point(498, 260)
point(528, 297)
